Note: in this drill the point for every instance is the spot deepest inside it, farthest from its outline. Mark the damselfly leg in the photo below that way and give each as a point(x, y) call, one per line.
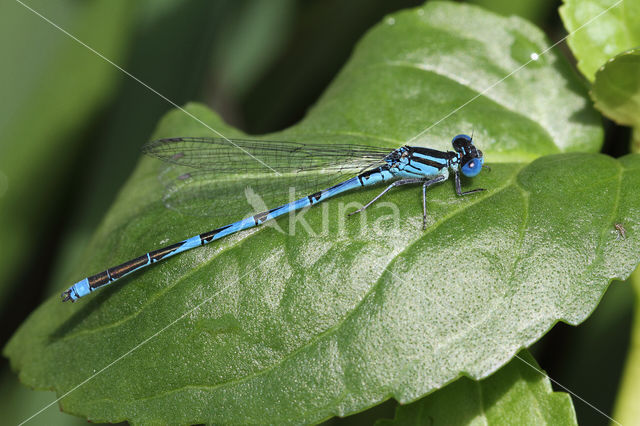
point(424, 198)
point(425, 184)
point(387, 189)
point(459, 189)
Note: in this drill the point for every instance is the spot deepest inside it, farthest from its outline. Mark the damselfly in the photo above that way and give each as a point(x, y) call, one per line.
point(305, 167)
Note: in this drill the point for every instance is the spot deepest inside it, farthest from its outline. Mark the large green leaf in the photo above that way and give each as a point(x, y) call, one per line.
point(301, 327)
point(518, 393)
point(600, 29)
point(616, 90)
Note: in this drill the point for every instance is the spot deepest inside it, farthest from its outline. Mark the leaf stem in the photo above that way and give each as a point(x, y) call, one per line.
point(635, 139)
point(627, 409)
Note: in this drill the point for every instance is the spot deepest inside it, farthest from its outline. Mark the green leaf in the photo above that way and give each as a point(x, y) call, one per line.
point(44, 105)
point(337, 316)
point(518, 393)
point(616, 90)
point(597, 34)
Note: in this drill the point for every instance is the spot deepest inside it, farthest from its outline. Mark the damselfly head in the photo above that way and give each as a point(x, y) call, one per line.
point(471, 158)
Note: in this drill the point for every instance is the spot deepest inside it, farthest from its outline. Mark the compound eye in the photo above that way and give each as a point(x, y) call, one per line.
point(461, 143)
point(472, 167)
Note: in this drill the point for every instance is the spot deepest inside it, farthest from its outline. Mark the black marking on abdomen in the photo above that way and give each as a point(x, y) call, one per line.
point(98, 280)
point(368, 173)
point(260, 217)
point(313, 198)
point(159, 254)
point(123, 269)
point(207, 237)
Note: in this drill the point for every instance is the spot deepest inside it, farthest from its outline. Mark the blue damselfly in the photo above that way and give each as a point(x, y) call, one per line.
point(322, 170)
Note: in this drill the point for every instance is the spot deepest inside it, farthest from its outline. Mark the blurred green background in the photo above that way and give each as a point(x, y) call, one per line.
point(71, 125)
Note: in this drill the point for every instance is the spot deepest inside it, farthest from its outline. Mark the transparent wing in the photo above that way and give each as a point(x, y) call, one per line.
point(211, 177)
point(203, 193)
point(244, 155)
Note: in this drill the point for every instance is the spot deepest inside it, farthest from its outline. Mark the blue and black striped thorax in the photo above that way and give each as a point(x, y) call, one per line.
point(416, 161)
